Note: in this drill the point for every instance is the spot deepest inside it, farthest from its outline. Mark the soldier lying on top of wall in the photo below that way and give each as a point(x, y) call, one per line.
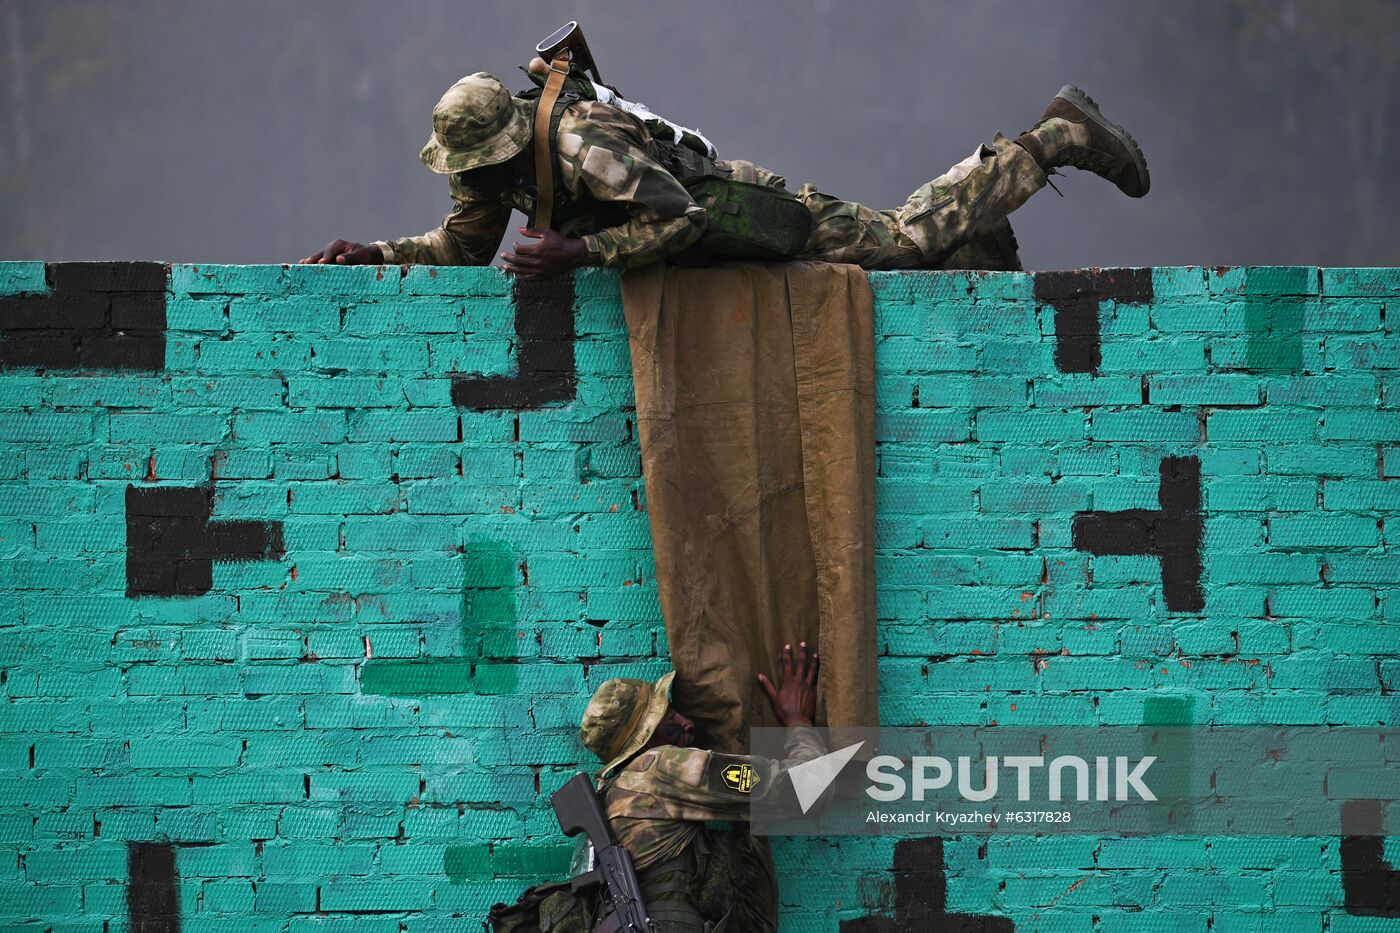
point(623, 197)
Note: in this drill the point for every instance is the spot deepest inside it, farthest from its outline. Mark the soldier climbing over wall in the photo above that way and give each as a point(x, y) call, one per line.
point(619, 195)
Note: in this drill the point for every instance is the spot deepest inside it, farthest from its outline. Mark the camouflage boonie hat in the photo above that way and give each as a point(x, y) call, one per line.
point(477, 122)
point(621, 717)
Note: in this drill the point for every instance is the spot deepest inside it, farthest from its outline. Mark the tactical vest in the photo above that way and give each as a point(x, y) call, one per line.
point(744, 220)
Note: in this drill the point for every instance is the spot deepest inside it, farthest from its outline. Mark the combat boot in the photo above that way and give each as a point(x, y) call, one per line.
point(1073, 132)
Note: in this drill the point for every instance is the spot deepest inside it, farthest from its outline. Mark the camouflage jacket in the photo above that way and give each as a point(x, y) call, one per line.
point(629, 210)
point(659, 801)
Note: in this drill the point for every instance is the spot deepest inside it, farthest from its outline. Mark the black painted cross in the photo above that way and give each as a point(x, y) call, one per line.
point(921, 897)
point(1173, 533)
point(171, 544)
point(545, 371)
point(97, 315)
point(1075, 296)
point(152, 889)
point(1370, 885)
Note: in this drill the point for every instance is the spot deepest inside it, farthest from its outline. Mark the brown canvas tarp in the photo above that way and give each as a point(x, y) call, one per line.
point(755, 403)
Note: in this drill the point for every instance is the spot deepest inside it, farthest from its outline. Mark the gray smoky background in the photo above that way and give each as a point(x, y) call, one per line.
point(256, 131)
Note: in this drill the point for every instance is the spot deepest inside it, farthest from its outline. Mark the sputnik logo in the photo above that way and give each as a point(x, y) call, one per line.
point(811, 778)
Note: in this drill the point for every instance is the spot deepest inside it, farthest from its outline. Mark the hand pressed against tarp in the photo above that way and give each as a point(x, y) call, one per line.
point(795, 699)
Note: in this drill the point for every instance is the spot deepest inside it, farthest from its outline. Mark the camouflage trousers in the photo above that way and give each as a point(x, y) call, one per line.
point(954, 221)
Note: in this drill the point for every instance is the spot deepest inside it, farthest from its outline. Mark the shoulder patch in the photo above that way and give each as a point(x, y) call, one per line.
point(733, 775)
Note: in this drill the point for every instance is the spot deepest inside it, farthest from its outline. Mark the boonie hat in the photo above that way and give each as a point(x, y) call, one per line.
point(621, 717)
point(477, 122)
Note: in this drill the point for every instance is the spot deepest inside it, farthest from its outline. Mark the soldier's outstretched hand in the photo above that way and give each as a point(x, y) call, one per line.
point(795, 698)
point(346, 252)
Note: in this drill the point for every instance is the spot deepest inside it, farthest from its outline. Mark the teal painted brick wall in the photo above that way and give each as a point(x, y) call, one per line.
point(360, 734)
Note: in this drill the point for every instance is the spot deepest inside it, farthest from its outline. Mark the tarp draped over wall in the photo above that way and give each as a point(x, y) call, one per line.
point(755, 389)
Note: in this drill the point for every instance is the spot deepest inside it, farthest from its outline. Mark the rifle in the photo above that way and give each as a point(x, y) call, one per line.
point(569, 36)
point(578, 809)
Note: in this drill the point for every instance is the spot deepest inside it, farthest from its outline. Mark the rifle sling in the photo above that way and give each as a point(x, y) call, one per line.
point(544, 166)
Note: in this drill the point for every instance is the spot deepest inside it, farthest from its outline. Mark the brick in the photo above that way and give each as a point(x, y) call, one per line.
point(1271, 425)
point(1362, 568)
point(51, 426)
point(1261, 494)
point(1144, 424)
point(405, 316)
point(1000, 355)
point(930, 426)
point(911, 355)
point(480, 355)
point(206, 752)
point(1340, 315)
point(1347, 352)
point(958, 391)
point(285, 427)
point(439, 280)
point(1323, 531)
point(385, 355)
point(1203, 390)
point(23, 278)
point(1029, 427)
point(1358, 495)
point(227, 392)
point(342, 280)
point(1321, 460)
point(1068, 390)
point(424, 425)
point(125, 391)
point(916, 496)
point(1171, 354)
point(1360, 282)
point(576, 427)
point(344, 392)
point(256, 315)
point(1360, 424)
point(197, 314)
point(302, 461)
point(208, 279)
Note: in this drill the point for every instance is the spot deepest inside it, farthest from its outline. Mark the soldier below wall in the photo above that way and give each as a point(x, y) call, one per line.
point(663, 798)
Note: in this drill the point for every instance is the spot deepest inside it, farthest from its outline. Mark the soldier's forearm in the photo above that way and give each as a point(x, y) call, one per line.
point(802, 743)
point(435, 248)
point(429, 249)
point(638, 243)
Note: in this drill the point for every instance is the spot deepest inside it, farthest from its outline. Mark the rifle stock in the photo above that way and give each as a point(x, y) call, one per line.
point(570, 36)
point(578, 810)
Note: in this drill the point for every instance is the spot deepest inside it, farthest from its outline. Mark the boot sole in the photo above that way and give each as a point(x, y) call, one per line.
point(1086, 103)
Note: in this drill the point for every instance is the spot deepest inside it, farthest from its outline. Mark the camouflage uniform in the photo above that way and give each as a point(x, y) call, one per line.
point(658, 804)
point(604, 164)
point(630, 211)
